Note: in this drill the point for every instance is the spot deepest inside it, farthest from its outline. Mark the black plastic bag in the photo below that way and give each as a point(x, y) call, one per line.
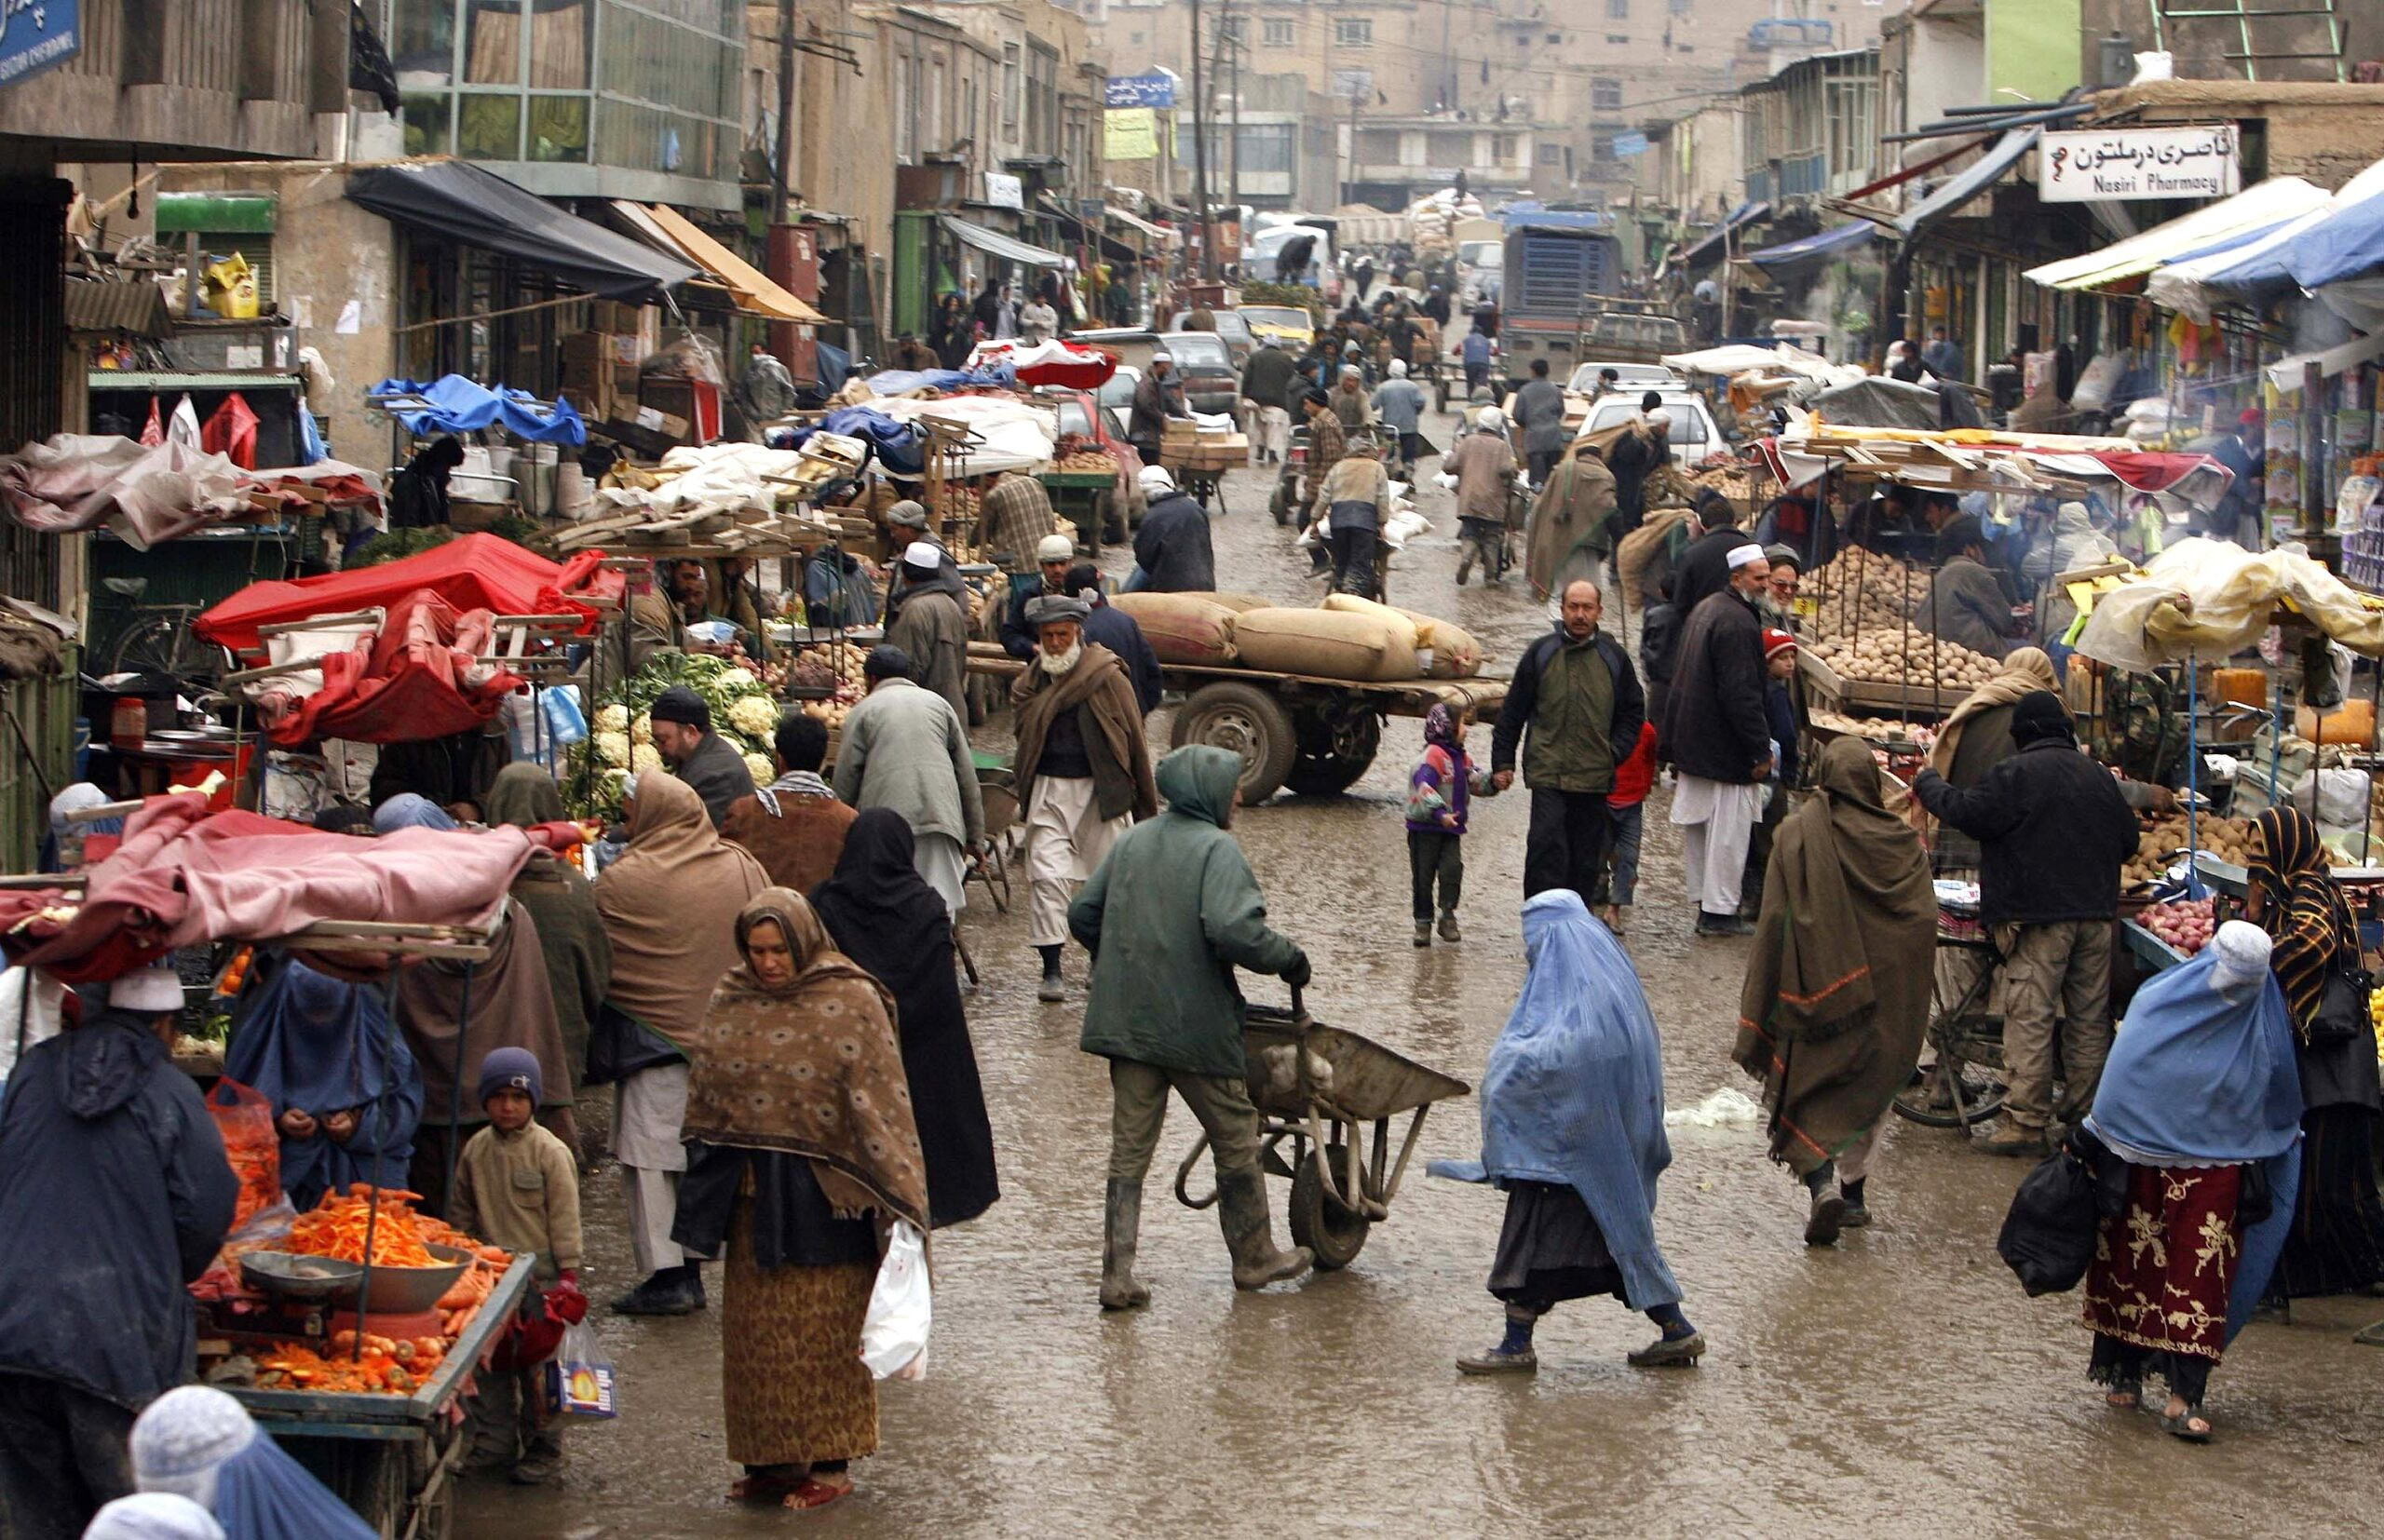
point(2048, 1236)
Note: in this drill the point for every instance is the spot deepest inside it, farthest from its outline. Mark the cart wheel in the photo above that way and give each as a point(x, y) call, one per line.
point(1333, 1234)
point(1440, 394)
point(1252, 723)
point(1331, 759)
point(1964, 1065)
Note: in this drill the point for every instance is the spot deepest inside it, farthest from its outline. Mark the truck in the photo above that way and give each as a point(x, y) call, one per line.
point(1562, 283)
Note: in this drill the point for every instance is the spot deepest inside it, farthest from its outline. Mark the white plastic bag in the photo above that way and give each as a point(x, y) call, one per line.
point(894, 1333)
point(578, 1379)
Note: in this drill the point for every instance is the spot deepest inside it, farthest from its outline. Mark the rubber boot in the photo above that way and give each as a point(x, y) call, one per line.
point(1465, 564)
point(1122, 1229)
point(1249, 1234)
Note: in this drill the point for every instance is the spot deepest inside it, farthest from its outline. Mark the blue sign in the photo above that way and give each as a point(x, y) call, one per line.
point(34, 34)
point(1629, 145)
point(1155, 89)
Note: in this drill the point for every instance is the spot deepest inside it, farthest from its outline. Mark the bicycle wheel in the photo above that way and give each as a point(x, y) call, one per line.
point(1959, 1080)
point(165, 645)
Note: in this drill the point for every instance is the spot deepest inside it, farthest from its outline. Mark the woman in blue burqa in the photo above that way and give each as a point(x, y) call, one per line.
point(345, 1094)
point(1573, 1130)
point(2201, 1102)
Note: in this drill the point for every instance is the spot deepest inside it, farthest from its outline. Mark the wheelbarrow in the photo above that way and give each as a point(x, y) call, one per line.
point(1318, 1087)
point(997, 790)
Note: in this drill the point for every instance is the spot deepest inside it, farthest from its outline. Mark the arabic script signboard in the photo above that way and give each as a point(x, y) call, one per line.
point(37, 36)
point(2124, 165)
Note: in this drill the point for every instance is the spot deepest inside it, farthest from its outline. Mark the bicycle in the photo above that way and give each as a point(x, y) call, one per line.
point(1960, 1081)
point(157, 639)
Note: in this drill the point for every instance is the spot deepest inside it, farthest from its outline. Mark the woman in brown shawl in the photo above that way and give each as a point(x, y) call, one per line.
point(571, 933)
point(669, 905)
point(2336, 1242)
point(801, 1150)
point(1836, 994)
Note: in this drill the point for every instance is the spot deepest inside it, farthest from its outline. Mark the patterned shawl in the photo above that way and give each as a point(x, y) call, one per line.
point(2301, 909)
point(811, 1068)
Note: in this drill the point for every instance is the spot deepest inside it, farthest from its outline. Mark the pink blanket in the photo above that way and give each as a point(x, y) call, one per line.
point(183, 876)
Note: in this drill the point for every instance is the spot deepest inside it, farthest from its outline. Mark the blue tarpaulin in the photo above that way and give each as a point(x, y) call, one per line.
point(458, 405)
point(1709, 250)
point(895, 445)
point(2344, 244)
point(896, 382)
point(1968, 182)
point(1533, 215)
point(1843, 240)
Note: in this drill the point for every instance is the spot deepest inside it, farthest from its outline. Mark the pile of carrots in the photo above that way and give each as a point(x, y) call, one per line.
point(383, 1367)
point(336, 1227)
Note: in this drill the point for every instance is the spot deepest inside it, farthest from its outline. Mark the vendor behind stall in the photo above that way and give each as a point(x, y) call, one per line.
point(684, 736)
point(346, 1097)
point(1012, 516)
point(114, 1192)
point(1965, 603)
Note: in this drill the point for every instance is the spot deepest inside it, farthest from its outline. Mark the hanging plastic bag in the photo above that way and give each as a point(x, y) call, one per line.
point(894, 1333)
point(245, 1119)
point(580, 1377)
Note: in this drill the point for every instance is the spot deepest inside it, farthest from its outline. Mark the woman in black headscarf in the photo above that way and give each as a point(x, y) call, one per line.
point(882, 914)
point(2336, 1242)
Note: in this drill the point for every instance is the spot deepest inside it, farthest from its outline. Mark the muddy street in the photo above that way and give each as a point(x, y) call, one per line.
point(1898, 1384)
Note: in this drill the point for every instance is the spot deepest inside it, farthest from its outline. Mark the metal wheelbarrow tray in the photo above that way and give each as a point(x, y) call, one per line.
point(1339, 1187)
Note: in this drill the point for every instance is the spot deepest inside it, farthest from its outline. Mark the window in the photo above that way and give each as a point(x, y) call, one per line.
point(1504, 148)
point(1267, 147)
point(1555, 38)
point(1617, 10)
point(1606, 95)
point(1134, 37)
point(1010, 90)
point(1551, 155)
point(1282, 32)
point(1602, 147)
point(1680, 7)
point(1619, 39)
point(1353, 31)
point(1235, 29)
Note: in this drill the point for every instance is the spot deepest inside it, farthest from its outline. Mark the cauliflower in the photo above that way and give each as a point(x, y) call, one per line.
point(764, 772)
point(754, 716)
point(645, 757)
point(613, 746)
point(613, 719)
point(641, 729)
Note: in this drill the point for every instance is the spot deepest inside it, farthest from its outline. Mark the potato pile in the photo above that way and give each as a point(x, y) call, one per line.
point(1091, 462)
point(1895, 658)
point(2228, 839)
point(834, 665)
point(1859, 590)
point(1878, 729)
point(1732, 481)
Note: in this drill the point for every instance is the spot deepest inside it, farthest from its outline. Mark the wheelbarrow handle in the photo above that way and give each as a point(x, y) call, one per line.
point(1299, 1010)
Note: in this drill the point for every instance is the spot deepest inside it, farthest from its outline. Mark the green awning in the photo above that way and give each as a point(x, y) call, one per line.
point(215, 213)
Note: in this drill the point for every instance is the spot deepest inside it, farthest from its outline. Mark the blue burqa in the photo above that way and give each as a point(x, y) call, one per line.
point(323, 1045)
point(1574, 1094)
point(2204, 1076)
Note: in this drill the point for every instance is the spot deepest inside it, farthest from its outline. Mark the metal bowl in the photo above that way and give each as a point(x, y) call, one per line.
point(288, 1276)
point(409, 1291)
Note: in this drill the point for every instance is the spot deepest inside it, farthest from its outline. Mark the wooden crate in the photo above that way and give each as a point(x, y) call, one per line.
point(1862, 697)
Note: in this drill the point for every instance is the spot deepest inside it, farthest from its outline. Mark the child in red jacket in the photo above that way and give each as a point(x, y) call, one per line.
point(1633, 779)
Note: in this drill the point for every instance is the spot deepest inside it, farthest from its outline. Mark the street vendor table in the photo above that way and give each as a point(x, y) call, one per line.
point(1077, 496)
point(393, 1458)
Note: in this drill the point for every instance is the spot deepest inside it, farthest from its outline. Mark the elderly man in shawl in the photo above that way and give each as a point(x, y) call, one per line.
point(881, 913)
point(1838, 984)
point(795, 826)
point(2201, 1105)
point(1170, 916)
point(1083, 768)
point(571, 933)
point(670, 904)
point(1574, 524)
point(346, 1097)
point(802, 1152)
point(1573, 1130)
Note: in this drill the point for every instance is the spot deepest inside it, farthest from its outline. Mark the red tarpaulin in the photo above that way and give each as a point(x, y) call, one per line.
point(2147, 471)
point(473, 572)
point(1050, 363)
point(183, 876)
point(414, 680)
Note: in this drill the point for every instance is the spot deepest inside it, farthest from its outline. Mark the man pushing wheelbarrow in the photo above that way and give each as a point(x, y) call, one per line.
point(1168, 916)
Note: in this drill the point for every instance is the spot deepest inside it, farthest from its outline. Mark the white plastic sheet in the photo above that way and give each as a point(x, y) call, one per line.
point(2209, 598)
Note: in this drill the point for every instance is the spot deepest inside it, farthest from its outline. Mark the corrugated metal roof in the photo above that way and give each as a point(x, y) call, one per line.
point(138, 307)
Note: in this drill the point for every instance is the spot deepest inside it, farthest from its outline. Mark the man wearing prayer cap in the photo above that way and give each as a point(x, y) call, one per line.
point(1083, 768)
point(114, 1194)
point(905, 748)
point(684, 736)
point(1054, 555)
point(2053, 833)
point(928, 617)
point(1716, 730)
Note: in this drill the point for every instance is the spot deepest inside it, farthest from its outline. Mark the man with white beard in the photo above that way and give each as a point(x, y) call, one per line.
point(1084, 768)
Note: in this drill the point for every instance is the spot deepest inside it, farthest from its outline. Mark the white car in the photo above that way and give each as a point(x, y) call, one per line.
point(1693, 436)
point(1639, 377)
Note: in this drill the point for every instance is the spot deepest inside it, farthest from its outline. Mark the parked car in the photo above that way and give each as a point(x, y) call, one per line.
point(1231, 328)
point(1631, 376)
point(1211, 382)
point(1287, 324)
point(1693, 434)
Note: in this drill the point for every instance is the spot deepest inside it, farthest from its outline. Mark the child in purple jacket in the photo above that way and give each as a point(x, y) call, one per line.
point(1439, 790)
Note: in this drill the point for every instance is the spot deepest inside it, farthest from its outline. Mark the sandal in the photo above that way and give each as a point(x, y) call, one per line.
point(2124, 1395)
point(2182, 1425)
point(816, 1493)
point(766, 1487)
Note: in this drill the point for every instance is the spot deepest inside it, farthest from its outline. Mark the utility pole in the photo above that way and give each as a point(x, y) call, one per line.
point(1236, 43)
point(778, 191)
point(1350, 188)
point(1201, 156)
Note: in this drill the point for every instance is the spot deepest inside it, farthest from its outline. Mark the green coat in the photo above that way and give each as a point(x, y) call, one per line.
point(1168, 916)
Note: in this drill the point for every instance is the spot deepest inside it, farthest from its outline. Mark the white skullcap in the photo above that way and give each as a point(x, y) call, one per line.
point(1399, 369)
point(1155, 479)
point(1746, 556)
point(1659, 418)
point(1055, 547)
point(149, 988)
point(2239, 951)
point(919, 553)
point(154, 1515)
point(1162, 357)
point(184, 1436)
point(1490, 417)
